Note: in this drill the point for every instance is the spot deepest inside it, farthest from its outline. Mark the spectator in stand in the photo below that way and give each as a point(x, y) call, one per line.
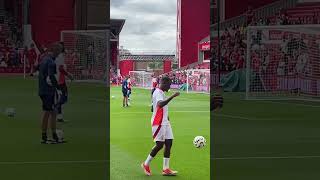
point(256, 62)
point(14, 55)
point(261, 22)
point(241, 61)
point(284, 45)
point(278, 20)
point(314, 19)
point(305, 20)
point(317, 15)
point(32, 57)
point(300, 21)
point(3, 63)
point(249, 15)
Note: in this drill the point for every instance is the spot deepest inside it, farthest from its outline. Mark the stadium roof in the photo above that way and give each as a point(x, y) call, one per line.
point(116, 26)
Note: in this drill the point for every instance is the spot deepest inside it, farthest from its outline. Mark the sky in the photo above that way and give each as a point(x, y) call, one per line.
point(150, 24)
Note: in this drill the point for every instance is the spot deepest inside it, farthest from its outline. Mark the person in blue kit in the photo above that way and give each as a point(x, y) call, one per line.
point(48, 92)
point(125, 92)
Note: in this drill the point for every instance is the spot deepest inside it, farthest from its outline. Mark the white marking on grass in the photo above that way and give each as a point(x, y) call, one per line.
point(146, 112)
point(98, 100)
point(293, 104)
point(246, 118)
point(267, 157)
point(234, 117)
point(53, 162)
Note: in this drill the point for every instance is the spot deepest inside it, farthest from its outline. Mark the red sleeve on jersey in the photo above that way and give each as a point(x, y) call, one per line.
point(62, 70)
point(154, 84)
point(158, 117)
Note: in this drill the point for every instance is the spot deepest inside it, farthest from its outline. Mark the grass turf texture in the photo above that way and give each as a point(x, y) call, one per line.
point(22, 155)
point(131, 138)
point(281, 137)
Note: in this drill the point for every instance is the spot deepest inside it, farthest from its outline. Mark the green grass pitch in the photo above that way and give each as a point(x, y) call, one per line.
point(22, 155)
point(131, 138)
point(264, 140)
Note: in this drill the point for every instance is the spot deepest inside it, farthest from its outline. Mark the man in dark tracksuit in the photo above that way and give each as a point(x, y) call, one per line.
point(125, 92)
point(48, 92)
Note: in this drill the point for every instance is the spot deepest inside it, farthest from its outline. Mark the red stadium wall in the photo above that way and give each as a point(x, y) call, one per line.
point(194, 26)
point(166, 66)
point(126, 66)
point(235, 8)
point(49, 17)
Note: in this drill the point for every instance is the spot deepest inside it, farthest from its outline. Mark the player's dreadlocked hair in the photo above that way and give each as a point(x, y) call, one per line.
point(165, 80)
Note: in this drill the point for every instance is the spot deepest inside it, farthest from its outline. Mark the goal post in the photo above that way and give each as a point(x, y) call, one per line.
point(283, 62)
point(86, 54)
point(198, 80)
point(141, 79)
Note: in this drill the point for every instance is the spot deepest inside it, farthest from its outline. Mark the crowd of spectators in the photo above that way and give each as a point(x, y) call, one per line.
point(232, 40)
point(232, 47)
point(11, 54)
point(195, 78)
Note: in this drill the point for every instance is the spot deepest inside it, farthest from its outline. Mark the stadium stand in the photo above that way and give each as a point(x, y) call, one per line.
point(233, 46)
point(10, 44)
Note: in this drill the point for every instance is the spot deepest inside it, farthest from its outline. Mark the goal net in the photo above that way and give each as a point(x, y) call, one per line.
point(283, 62)
point(198, 80)
point(141, 79)
point(86, 54)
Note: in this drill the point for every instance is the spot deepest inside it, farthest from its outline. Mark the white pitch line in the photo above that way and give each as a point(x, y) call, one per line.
point(244, 118)
point(145, 112)
point(234, 117)
point(293, 104)
point(98, 100)
point(53, 162)
point(266, 157)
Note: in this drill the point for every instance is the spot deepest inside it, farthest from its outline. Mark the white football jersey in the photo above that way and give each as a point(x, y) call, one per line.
point(160, 115)
point(60, 62)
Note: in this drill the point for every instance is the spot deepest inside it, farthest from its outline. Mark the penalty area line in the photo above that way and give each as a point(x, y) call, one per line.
point(267, 157)
point(54, 162)
point(169, 112)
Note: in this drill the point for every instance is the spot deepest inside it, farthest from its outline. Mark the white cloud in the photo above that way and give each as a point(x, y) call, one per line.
point(150, 24)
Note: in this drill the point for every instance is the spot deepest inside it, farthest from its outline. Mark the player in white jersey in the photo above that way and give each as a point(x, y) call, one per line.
point(302, 62)
point(62, 73)
point(154, 87)
point(161, 128)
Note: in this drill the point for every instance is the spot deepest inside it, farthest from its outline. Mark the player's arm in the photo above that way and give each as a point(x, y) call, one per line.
point(163, 103)
point(51, 74)
point(63, 70)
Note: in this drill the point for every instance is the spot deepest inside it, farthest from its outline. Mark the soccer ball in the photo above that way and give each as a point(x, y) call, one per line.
point(112, 97)
point(10, 112)
point(199, 142)
point(60, 134)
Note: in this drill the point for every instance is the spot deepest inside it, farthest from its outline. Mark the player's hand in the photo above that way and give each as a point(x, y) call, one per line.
point(59, 92)
point(176, 94)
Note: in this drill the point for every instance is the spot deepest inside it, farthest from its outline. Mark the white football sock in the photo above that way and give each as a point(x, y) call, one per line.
point(148, 160)
point(166, 163)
